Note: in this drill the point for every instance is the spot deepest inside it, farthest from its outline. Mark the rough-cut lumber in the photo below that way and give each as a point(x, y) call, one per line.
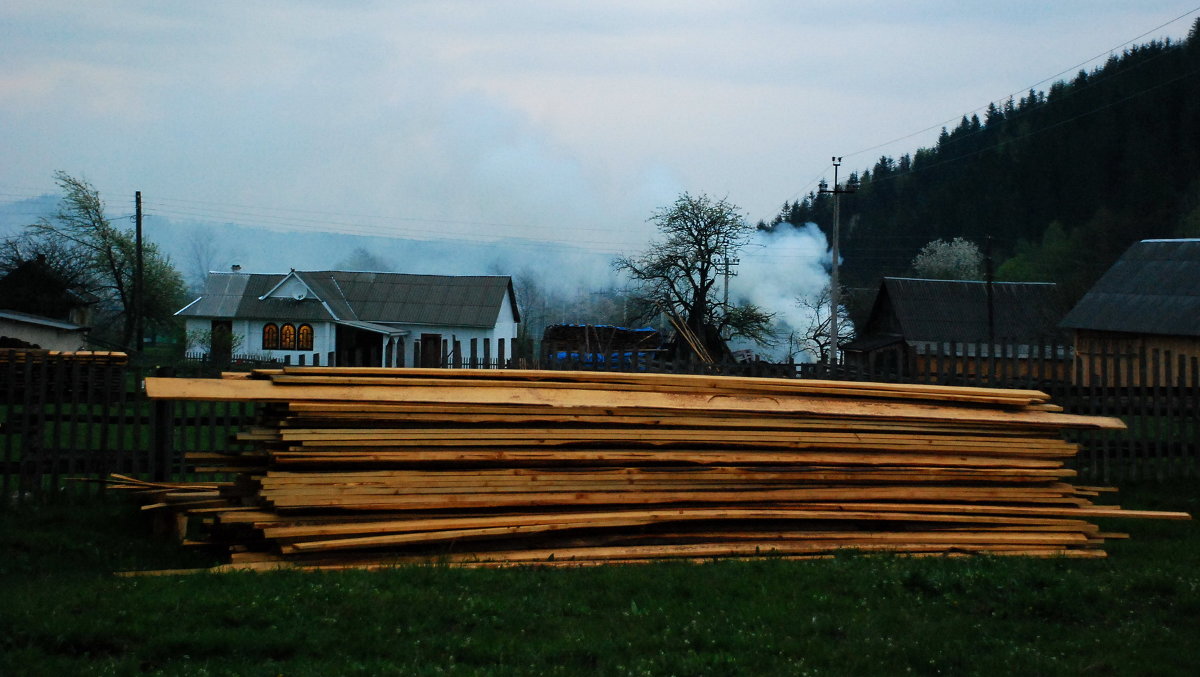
point(850, 408)
point(694, 382)
point(572, 457)
point(380, 467)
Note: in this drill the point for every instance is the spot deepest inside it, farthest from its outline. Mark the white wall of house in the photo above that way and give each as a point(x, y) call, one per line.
point(249, 339)
point(487, 339)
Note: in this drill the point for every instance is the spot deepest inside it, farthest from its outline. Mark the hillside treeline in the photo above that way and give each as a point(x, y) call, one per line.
point(1063, 181)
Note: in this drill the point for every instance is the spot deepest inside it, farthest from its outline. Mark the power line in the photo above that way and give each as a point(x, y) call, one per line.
point(998, 144)
point(1026, 89)
point(808, 187)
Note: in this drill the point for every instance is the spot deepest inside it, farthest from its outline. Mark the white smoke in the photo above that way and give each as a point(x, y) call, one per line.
point(777, 269)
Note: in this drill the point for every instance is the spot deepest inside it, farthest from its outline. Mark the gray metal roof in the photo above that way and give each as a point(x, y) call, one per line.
point(1154, 288)
point(957, 310)
point(27, 318)
point(373, 327)
point(458, 301)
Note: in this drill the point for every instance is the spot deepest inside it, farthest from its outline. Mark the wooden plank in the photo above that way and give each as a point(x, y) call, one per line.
point(511, 456)
point(843, 537)
point(486, 477)
point(634, 517)
point(498, 500)
point(592, 434)
point(995, 397)
point(650, 380)
point(367, 415)
point(1081, 512)
point(263, 391)
point(750, 548)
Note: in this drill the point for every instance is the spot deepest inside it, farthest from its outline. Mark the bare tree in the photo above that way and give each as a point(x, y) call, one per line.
point(362, 260)
point(67, 262)
point(814, 338)
point(682, 270)
point(204, 253)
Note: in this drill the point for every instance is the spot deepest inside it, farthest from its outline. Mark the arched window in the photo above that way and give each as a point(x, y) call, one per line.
point(270, 337)
point(287, 337)
point(304, 337)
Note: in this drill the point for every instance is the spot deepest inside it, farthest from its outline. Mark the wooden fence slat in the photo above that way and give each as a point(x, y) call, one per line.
point(9, 448)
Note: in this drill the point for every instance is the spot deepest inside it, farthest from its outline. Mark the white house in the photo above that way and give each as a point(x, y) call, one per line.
point(334, 317)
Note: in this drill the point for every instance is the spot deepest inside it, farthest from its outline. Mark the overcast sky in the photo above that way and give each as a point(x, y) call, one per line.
point(554, 120)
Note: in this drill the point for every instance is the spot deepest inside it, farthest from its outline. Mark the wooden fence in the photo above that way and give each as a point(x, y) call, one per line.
point(64, 418)
point(1155, 392)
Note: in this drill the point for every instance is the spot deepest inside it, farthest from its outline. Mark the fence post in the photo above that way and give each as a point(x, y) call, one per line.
point(162, 426)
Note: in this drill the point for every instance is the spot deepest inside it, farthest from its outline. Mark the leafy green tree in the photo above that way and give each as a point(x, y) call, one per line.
point(109, 253)
point(682, 270)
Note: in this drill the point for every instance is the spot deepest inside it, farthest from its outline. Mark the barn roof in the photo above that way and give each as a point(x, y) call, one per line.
point(338, 295)
point(957, 310)
point(1154, 288)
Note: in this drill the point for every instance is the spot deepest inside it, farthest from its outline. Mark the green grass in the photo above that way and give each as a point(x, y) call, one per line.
point(1136, 612)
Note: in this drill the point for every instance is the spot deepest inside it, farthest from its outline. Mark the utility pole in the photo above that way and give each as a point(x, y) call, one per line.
point(726, 268)
point(991, 304)
point(139, 282)
point(834, 284)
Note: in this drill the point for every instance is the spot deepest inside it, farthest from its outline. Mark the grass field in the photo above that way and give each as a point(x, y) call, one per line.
point(64, 613)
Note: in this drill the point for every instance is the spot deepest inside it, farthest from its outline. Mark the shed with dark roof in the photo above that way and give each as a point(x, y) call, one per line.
point(348, 317)
point(1147, 303)
point(912, 318)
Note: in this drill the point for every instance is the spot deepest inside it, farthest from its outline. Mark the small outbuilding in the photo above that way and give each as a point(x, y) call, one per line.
point(1146, 306)
point(26, 330)
point(913, 320)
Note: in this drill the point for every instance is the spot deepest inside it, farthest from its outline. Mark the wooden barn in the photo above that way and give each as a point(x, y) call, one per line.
point(916, 324)
point(1142, 317)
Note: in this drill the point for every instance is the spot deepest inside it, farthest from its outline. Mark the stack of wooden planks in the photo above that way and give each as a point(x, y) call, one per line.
point(79, 356)
point(361, 467)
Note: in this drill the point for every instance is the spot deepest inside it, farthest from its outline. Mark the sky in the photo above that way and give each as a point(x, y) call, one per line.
point(559, 121)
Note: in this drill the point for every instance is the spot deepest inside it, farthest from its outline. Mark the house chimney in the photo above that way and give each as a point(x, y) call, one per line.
point(235, 268)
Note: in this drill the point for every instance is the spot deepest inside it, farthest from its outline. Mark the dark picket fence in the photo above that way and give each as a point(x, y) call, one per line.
point(1155, 392)
point(63, 418)
point(67, 423)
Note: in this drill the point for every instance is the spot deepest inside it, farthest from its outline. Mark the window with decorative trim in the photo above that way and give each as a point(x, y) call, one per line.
point(304, 337)
point(287, 337)
point(270, 337)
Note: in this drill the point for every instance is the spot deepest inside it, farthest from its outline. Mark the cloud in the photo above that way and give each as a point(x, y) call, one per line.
point(538, 119)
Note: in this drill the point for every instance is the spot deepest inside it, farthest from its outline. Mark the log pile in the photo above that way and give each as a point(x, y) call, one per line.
point(361, 467)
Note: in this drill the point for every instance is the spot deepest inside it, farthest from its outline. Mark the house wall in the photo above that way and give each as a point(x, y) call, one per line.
point(49, 338)
point(463, 336)
point(1116, 358)
point(249, 340)
point(487, 339)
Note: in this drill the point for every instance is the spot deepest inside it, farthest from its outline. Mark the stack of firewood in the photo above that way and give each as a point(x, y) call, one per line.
point(358, 467)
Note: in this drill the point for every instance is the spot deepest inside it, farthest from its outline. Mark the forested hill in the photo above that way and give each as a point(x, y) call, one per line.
point(1063, 180)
